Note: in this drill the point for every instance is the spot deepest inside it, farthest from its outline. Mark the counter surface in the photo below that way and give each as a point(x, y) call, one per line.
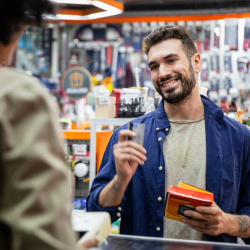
point(142, 243)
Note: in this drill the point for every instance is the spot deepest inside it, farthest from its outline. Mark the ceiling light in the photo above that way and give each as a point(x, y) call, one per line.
point(109, 7)
point(80, 2)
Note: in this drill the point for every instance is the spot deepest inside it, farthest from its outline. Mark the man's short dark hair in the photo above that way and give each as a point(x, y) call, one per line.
point(14, 13)
point(168, 32)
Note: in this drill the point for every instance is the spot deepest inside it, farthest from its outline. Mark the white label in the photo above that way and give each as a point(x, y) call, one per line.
point(79, 149)
point(104, 100)
point(226, 47)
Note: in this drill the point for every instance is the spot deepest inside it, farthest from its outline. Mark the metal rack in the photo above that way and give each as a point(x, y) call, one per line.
point(100, 121)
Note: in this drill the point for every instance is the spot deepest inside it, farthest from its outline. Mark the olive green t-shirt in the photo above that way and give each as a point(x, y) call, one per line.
point(184, 152)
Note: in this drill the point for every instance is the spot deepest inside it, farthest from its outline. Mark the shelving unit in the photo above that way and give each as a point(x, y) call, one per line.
point(100, 121)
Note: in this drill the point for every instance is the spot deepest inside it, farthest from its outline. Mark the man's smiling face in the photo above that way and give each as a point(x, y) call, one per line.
point(171, 71)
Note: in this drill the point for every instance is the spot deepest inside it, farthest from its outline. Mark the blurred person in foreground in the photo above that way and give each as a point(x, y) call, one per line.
point(35, 201)
point(187, 139)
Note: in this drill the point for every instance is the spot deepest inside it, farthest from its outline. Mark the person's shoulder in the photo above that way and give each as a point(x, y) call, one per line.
point(12, 73)
point(236, 126)
point(14, 82)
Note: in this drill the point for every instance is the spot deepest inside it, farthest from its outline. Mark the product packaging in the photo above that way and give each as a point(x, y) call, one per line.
point(198, 27)
point(217, 36)
point(227, 83)
point(185, 197)
point(228, 63)
point(204, 69)
point(137, 36)
point(231, 33)
point(215, 63)
point(207, 35)
point(246, 44)
point(239, 116)
point(243, 64)
point(191, 30)
point(215, 84)
point(127, 34)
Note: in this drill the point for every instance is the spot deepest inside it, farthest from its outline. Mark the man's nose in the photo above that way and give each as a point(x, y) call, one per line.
point(164, 71)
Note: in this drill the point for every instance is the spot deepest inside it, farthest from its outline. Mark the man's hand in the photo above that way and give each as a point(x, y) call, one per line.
point(209, 220)
point(128, 155)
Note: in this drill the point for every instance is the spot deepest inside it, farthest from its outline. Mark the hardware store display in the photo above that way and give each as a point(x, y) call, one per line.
point(95, 68)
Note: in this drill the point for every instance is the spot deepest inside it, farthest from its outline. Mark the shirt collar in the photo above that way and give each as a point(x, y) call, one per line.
point(212, 109)
point(162, 122)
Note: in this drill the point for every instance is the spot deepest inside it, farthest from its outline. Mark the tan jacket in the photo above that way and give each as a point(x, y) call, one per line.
point(34, 188)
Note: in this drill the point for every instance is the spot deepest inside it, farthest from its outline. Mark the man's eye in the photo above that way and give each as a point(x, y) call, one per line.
point(172, 60)
point(153, 67)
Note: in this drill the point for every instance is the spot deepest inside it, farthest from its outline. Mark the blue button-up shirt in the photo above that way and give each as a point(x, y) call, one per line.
point(227, 173)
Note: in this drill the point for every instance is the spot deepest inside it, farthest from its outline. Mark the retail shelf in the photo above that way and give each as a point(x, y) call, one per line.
point(100, 121)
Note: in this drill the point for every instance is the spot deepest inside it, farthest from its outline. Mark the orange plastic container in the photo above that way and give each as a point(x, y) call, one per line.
point(102, 139)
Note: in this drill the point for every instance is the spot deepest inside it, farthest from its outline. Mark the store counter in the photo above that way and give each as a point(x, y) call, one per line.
point(120, 242)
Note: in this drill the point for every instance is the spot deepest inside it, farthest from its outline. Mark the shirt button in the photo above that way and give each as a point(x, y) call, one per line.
point(157, 128)
point(159, 139)
point(119, 214)
point(166, 129)
point(158, 229)
point(160, 168)
point(159, 198)
point(119, 208)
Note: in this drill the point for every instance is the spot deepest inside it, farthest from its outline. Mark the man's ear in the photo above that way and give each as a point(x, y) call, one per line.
point(196, 62)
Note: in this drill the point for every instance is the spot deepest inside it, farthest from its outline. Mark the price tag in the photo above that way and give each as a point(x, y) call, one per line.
point(103, 100)
point(79, 149)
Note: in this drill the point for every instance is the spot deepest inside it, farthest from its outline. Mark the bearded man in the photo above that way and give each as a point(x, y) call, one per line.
point(186, 139)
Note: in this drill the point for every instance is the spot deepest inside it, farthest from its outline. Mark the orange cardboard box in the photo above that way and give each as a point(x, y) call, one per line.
point(185, 197)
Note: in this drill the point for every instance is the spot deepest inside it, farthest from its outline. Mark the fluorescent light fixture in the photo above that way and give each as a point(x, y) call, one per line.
point(108, 10)
point(80, 2)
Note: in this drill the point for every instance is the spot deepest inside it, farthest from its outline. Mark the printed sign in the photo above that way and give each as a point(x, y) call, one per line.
point(103, 100)
point(79, 149)
point(76, 82)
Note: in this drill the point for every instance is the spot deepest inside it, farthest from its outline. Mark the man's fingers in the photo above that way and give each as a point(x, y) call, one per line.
point(132, 151)
point(124, 134)
point(130, 144)
point(197, 223)
point(131, 157)
point(195, 215)
point(208, 210)
point(202, 230)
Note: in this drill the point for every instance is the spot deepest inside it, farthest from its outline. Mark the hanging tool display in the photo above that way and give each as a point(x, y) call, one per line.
point(228, 63)
point(207, 37)
point(215, 63)
point(204, 69)
point(246, 44)
point(217, 33)
point(231, 33)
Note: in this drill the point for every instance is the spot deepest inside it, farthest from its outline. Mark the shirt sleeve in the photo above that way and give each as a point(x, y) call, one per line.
point(34, 176)
point(106, 173)
point(243, 207)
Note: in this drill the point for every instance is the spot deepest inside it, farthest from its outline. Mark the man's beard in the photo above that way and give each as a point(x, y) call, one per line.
point(187, 85)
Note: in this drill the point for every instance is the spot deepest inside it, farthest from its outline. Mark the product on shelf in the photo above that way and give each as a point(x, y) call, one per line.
point(239, 115)
point(217, 33)
point(204, 69)
point(246, 44)
point(231, 33)
point(228, 63)
point(207, 37)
